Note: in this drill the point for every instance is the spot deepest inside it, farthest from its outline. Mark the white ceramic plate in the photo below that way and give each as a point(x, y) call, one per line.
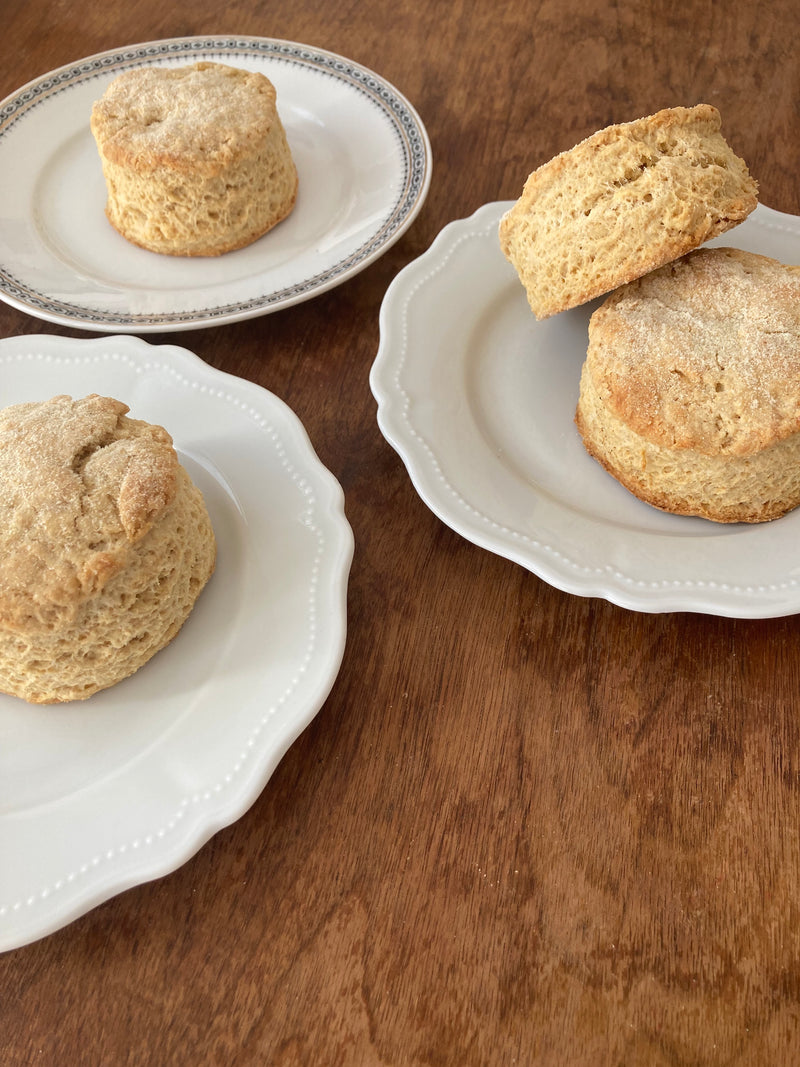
point(107, 793)
point(479, 398)
point(363, 159)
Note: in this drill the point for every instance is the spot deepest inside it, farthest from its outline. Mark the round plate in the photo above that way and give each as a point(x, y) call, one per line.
point(362, 155)
point(103, 794)
point(479, 399)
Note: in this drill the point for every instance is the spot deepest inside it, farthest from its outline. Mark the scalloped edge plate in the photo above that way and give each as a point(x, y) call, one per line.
point(478, 398)
point(104, 794)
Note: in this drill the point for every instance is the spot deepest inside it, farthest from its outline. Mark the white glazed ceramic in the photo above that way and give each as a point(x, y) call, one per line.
point(363, 159)
point(100, 795)
point(478, 398)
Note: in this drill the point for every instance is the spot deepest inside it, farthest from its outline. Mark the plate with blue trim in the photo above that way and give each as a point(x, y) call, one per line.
point(364, 163)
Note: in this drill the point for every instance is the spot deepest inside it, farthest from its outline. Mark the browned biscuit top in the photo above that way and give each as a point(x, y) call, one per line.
point(703, 353)
point(80, 483)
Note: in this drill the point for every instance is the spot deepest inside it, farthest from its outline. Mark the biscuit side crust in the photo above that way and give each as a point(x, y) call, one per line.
point(724, 489)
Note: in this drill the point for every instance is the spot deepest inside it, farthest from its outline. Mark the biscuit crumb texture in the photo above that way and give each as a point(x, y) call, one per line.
point(623, 202)
point(195, 159)
point(690, 392)
point(106, 545)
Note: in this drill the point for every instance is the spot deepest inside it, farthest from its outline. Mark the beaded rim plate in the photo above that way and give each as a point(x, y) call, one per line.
point(478, 398)
point(364, 163)
point(100, 795)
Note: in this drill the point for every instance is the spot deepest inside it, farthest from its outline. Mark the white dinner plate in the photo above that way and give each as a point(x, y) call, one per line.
point(478, 398)
point(103, 794)
point(363, 159)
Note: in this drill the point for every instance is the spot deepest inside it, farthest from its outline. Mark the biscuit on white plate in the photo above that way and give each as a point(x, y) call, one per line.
point(690, 391)
point(625, 201)
point(105, 546)
point(195, 159)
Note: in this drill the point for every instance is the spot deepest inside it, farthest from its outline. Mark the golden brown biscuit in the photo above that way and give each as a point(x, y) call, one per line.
point(195, 158)
point(105, 545)
point(690, 392)
point(625, 201)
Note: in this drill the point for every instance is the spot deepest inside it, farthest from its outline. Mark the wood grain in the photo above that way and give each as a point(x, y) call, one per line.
point(526, 827)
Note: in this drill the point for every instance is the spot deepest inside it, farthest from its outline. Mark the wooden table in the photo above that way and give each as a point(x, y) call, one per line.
point(526, 827)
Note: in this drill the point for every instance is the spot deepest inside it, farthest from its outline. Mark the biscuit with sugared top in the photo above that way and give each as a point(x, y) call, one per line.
point(105, 545)
point(195, 159)
point(690, 391)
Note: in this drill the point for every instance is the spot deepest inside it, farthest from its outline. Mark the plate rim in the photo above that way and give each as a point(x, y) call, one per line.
point(31, 915)
point(469, 518)
point(406, 123)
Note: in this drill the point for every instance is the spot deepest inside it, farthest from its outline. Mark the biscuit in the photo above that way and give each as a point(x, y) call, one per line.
point(690, 391)
point(195, 158)
point(623, 202)
point(105, 545)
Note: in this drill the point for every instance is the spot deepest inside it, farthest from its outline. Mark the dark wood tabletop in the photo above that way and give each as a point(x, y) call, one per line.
point(525, 827)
